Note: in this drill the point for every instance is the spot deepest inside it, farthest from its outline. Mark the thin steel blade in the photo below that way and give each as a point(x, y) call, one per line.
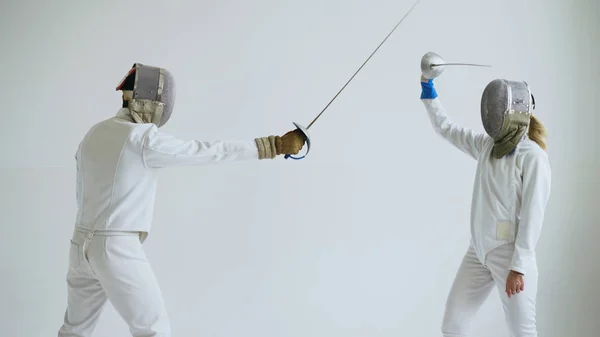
point(460, 64)
point(351, 78)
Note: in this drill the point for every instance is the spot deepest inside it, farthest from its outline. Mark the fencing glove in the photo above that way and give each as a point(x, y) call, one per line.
point(272, 146)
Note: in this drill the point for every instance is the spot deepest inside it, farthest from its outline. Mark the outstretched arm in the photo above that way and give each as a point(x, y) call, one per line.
point(163, 150)
point(464, 139)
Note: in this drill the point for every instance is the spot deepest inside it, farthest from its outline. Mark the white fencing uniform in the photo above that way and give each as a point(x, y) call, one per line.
point(474, 282)
point(507, 211)
point(117, 163)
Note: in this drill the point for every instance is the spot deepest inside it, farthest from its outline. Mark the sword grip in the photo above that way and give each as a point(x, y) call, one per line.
point(287, 156)
point(305, 132)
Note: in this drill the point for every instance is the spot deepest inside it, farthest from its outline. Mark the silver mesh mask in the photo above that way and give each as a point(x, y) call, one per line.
point(506, 108)
point(153, 93)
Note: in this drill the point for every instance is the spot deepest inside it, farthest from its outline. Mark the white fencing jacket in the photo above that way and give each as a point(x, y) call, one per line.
point(117, 163)
point(509, 194)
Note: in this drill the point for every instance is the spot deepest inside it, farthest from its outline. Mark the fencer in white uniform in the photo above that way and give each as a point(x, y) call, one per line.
point(510, 194)
point(117, 165)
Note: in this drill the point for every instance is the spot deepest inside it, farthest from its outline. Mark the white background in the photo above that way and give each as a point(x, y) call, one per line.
point(363, 237)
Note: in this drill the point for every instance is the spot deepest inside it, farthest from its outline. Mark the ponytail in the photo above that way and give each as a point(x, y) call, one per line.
point(537, 132)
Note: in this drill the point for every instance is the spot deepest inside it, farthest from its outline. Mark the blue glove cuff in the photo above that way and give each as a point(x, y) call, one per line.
point(427, 90)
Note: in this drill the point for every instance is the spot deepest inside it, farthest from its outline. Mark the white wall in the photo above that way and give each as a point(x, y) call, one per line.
point(363, 237)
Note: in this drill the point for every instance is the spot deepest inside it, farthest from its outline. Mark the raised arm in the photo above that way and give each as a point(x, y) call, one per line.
point(536, 192)
point(163, 150)
point(464, 139)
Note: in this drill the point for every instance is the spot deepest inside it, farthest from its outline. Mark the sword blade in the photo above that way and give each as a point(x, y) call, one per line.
point(459, 64)
point(366, 61)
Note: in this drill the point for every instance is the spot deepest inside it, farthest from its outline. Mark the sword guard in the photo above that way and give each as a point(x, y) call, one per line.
point(307, 135)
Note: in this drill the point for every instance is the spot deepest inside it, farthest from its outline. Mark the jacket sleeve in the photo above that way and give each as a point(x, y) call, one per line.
point(162, 150)
point(536, 192)
point(464, 139)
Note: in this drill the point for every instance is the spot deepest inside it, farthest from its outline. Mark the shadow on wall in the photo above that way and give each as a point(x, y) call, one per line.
point(569, 302)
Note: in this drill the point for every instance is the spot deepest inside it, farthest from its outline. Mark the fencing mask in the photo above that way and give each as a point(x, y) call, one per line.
point(150, 92)
point(506, 108)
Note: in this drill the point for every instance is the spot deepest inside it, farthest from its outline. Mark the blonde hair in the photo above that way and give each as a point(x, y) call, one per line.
point(127, 95)
point(537, 132)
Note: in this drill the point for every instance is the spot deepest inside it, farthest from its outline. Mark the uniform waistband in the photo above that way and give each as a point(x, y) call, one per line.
point(106, 232)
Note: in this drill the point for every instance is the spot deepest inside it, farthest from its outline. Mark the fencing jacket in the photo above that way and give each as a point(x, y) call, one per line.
point(509, 194)
point(117, 164)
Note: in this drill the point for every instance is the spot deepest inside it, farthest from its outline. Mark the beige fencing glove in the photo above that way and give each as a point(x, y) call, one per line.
point(272, 146)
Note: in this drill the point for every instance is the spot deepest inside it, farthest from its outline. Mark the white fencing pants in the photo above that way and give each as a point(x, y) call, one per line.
point(473, 284)
point(112, 266)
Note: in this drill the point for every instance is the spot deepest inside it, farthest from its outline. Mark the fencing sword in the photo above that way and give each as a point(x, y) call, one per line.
point(433, 65)
point(303, 129)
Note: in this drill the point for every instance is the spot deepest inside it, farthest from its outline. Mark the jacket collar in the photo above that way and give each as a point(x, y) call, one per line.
point(124, 113)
